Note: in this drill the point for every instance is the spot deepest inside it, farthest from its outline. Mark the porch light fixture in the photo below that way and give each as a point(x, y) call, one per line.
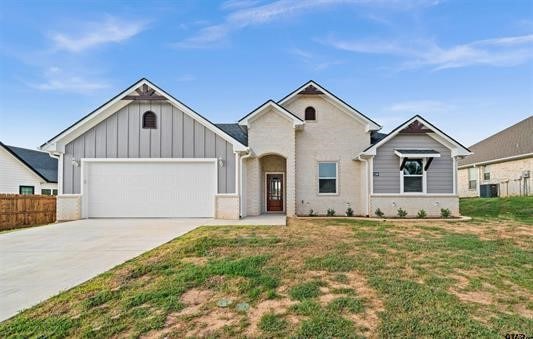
point(220, 163)
point(75, 163)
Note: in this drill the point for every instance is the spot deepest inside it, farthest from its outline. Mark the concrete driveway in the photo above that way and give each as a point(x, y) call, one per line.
point(39, 262)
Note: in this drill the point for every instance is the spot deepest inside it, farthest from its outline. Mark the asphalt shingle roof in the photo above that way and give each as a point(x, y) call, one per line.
point(40, 162)
point(512, 141)
point(238, 132)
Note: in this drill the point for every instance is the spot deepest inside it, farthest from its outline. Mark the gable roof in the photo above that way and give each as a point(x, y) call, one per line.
point(263, 108)
point(41, 163)
point(238, 132)
point(514, 141)
point(78, 125)
point(460, 149)
point(313, 88)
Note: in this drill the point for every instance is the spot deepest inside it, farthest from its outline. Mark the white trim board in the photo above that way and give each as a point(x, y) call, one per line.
point(456, 148)
point(58, 143)
point(370, 125)
point(276, 108)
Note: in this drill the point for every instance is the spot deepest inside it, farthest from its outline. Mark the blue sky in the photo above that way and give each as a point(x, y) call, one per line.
point(467, 66)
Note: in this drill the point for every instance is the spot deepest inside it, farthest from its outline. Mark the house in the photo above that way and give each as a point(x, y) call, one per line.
point(146, 154)
point(27, 171)
point(502, 164)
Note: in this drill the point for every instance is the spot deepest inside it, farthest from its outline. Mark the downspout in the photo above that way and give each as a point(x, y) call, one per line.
point(367, 183)
point(59, 157)
point(241, 197)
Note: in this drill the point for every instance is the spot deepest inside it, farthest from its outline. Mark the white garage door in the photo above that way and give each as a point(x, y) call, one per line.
point(149, 188)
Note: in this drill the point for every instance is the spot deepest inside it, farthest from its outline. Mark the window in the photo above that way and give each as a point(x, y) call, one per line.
point(26, 190)
point(472, 182)
point(149, 120)
point(327, 178)
point(486, 173)
point(413, 176)
point(48, 191)
point(310, 113)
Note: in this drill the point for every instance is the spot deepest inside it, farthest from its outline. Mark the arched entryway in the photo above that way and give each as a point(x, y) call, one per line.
point(273, 187)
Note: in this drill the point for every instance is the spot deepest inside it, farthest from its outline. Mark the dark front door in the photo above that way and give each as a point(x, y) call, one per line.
point(274, 192)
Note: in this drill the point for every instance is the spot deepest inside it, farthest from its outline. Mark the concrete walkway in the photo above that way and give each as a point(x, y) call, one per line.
point(37, 263)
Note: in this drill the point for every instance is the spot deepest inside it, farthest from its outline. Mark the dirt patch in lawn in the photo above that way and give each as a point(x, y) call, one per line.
point(277, 306)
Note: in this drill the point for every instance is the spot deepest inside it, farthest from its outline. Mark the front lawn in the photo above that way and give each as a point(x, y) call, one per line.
point(315, 278)
point(516, 208)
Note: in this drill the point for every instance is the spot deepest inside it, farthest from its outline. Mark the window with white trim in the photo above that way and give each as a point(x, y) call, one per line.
point(486, 173)
point(26, 189)
point(327, 177)
point(472, 178)
point(413, 176)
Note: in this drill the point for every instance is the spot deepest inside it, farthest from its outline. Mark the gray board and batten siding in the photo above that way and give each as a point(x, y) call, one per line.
point(121, 136)
point(439, 174)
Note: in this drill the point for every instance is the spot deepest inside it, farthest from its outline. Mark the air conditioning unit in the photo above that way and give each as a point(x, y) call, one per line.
point(525, 174)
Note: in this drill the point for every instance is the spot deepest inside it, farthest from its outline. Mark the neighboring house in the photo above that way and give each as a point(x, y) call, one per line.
point(502, 164)
point(146, 154)
point(26, 171)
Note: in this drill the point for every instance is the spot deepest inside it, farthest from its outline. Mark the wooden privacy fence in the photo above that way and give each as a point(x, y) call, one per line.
point(22, 210)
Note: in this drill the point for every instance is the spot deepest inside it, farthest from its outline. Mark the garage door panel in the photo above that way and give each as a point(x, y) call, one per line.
point(151, 189)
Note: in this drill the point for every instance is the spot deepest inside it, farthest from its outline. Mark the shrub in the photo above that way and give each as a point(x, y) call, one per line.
point(445, 212)
point(330, 212)
point(402, 213)
point(421, 214)
point(312, 213)
point(379, 213)
point(349, 212)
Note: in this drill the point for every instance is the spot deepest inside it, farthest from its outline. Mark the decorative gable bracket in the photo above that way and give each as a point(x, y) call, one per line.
point(311, 90)
point(145, 92)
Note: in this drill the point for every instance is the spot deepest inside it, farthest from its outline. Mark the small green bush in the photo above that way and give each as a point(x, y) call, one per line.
point(330, 212)
point(445, 212)
point(379, 213)
point(349, 212)
point(312, 213)
point(402, 213)
point(421, 214)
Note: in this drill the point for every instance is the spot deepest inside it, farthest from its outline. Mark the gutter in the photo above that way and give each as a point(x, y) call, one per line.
point(248, 153)
point(367, 183)
point(493, 161)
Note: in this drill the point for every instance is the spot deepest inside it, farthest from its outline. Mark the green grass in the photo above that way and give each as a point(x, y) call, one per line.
point(307, 290)
point(516, 208)
point(327, 325)
point(317, 279)
point(272, 323)
point(350, 304)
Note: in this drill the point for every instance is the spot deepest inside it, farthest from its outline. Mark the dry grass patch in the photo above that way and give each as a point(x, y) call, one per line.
point(329, 277)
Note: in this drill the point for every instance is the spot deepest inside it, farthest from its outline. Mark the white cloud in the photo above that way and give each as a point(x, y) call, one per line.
point(246, 13)
point(504, 51)
point(315, 62)
point(55, 79)
point(109, 30)
point(237, 4)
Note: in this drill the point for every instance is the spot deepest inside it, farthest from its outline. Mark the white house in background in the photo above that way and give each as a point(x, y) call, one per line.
point(502, 164)
point(26, 171)
point(146, 154)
